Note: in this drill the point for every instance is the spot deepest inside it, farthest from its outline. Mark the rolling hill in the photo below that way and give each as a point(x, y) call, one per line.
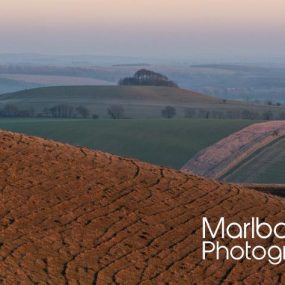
point(75, 216)
point(138, 101)
point(248, 83)
point(53, 80)
point(135, 93)
point(271, 166)
point(254, 154)
point(163, 142)
point(13, 85)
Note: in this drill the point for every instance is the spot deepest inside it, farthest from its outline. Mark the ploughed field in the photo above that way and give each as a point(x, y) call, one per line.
point(162, 142)
point(76, 216)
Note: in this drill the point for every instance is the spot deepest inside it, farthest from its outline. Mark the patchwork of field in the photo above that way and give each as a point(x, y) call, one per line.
point(254, 154)
point(137, 101)
point(163, 142)
point(248, 83)
point(75, 216)
point(55, 80)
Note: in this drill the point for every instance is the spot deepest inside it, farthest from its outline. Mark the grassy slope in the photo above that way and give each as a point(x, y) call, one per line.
point(134, 93)
point(138, 101)
point(164, 142)
point(265, 166)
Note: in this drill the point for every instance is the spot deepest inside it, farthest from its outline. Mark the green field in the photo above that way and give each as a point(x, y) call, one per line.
point(164, 142)
point(139, 102)
point(264, 166)
point(142, 94)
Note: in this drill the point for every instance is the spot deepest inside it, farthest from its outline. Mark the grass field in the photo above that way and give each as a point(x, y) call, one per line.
point(165, 142)
point(264, 166)
point(139, 102)
point(127, 93)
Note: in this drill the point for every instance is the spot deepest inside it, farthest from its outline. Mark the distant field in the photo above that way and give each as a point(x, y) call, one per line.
point(265, 166)
point(139, 102)
point(248, 83)
point(163, 142)
point(55, 80)
point(9, 85)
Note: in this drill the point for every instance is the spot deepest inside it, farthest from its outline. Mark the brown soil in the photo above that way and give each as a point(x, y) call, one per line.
point(75, 216)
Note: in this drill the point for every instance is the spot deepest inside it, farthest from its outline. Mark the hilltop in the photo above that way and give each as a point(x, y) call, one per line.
point(72, 215)
point(139, 102)
point(150, 93)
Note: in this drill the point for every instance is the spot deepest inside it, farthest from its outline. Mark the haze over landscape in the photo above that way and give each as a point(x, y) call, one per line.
point(124, 124)
point(215, 30)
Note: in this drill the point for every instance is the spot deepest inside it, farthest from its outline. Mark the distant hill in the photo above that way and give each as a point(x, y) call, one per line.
point(11, 85)
point(140, 102)
point(35, 80)
point(237, 82)
point(141, 94)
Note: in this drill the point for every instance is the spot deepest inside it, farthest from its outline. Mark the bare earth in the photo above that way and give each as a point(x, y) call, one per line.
point(75, 216)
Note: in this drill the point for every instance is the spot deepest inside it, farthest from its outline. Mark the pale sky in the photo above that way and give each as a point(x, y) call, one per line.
point(156, 28)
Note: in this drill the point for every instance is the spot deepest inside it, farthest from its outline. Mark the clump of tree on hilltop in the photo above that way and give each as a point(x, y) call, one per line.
point(148, 78)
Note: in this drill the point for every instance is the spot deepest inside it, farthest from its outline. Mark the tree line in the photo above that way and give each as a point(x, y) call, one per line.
point(57, 111)
point(238, 114)
point(118, 112)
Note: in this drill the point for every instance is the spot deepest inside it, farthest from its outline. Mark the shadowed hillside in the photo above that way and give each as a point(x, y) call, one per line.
point(139, 102)
point(271, 165)
point(254, 154)
point(75, 216)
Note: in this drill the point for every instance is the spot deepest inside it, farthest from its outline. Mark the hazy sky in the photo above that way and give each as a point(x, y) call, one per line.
point(157, 28)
